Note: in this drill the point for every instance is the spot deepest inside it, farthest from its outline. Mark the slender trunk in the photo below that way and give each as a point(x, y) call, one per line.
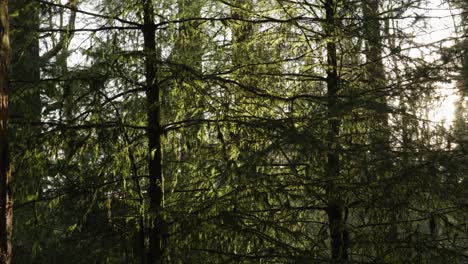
point(376, 82)
point(378, 136)
point(464, 50)
point(375, 68)
point(6, 202)
point(241, 56)
point(336, 220)
point(24, 98)
point(155, 251)
point(461, 115)
point(375, 78)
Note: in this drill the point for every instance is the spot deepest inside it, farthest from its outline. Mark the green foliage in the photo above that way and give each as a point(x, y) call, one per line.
point(245, 137)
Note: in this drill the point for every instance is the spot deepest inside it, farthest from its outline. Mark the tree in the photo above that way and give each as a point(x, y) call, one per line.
point(6, 202)
point(335, 211)
point(234, 131)
point(156, 182)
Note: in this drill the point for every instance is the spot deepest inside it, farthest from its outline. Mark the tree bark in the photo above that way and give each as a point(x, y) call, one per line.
point(155, 251)
point(6, 202)
point(375, 68)
point(336, 220)
point(376, 82)
point(461, 115)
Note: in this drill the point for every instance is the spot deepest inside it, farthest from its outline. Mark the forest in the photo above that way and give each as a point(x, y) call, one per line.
point(233, 131)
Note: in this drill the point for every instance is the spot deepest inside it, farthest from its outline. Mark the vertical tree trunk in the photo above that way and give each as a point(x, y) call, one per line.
point(464, 51)
point(155, 251)
point(6, 203)
point(375, 68)
point(376, 82)
point(335, 211)
point(461, 115)
point(242, 59)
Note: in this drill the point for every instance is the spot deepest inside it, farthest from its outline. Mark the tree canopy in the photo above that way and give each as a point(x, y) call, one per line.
point(233, 131)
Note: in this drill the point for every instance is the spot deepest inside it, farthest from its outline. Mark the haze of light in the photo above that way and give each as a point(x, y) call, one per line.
point(441, 29)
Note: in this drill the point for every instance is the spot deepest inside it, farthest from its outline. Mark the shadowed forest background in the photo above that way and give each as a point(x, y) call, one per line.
point(235, 131)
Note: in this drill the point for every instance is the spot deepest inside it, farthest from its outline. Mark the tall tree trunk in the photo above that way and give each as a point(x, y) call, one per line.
point(336, 219)
point(461, 115)
point(155, 251)
point(241, 56)
point(464, 48)
point(6, 202)
point(375, 68)
point(376, 82)
point(375, 78)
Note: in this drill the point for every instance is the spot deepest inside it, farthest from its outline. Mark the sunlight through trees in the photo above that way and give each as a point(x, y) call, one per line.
point(234, 131)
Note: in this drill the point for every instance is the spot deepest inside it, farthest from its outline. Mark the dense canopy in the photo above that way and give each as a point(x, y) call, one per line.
point(233, 131)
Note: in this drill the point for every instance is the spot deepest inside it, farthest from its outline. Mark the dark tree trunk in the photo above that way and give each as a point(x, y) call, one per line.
point(155, 250)
point(6, 201)
point(464, 51)
point(335, 211)
point(375, 68)
point(376, 83)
